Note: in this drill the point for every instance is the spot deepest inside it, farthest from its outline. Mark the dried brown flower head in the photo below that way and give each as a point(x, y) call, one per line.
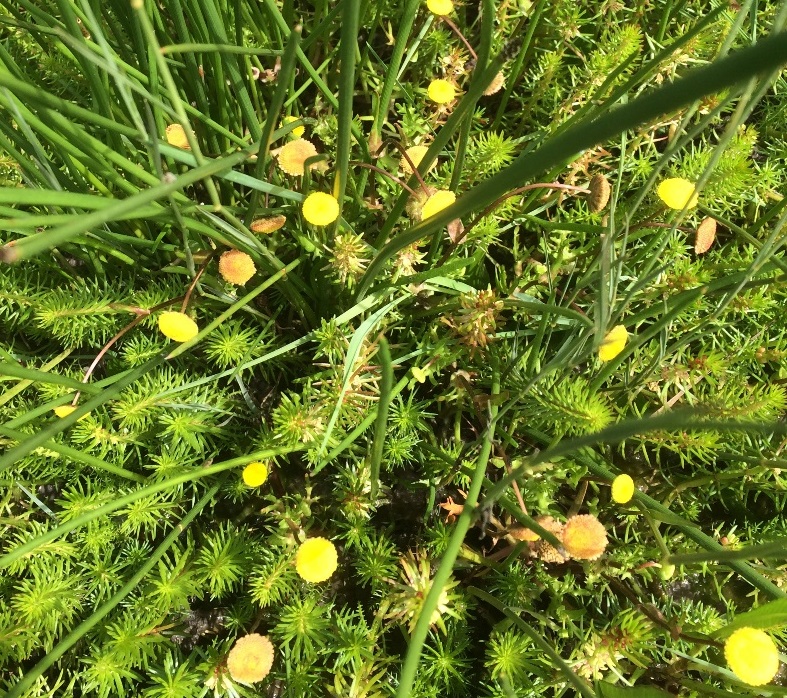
point(250, 658)
point(584, 537)
point(599, 193)
point(269, 224)
point(236, 267)
point(544, 550)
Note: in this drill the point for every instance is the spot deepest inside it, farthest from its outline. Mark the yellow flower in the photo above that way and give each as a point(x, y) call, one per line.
point(269, 224)
point(441, 91)
point(316, 560)
point(437, 202)
point(677, 193)
point(298, 131)
point(752, 656)
point(236, 267)
point(440, 7)
point(176, 135)
point(584, 537)
point(613, 343)
point(622, 489)
point(292, 156)
point(416, 154)
point(320, 208)
point(255, 474)
point(177, 326)
point(65, 410)
point(250, 658)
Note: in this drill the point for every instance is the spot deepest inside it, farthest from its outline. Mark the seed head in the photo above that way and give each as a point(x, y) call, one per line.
point(268, 224)
point(599, 193)
point(292, 156)
point(497, 84)
point(706, 234)
point(236, 267)
point(250, 659)
point(176, 135)
point(584, 537)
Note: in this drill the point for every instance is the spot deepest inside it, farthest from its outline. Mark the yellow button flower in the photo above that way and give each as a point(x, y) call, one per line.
point(622, 489)
point(255, 474)
point(677, 193)
point(176, 135)
point(440, 7)
point(236, 267)
point(752, 656)
point(298, 131)
point(437, 202)
point(613, 343)
point(251, 658)
point(316, 560)
point(416, 154)
point(65, 410)
point(441, 91)
point(320, 208)
point(178, 327)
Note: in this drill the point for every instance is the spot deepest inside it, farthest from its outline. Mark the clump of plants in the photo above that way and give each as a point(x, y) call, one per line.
point(384, 349)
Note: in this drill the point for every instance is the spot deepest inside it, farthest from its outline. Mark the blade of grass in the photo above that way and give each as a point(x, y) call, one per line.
point(446, 566)
point(386, 385)
point(274, 114)
point(727, 72)
point(351, 11)
point(34, 245)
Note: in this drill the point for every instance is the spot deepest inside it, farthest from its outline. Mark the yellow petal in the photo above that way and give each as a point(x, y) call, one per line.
point(419, 374)
point(441, 91)
point(613, 343)
point(440, 7)
point(622, 489)
point(298, 131)
point(316, 560)
point(437, 202)
point(255, 474)
point(320, 208)
point(177, 326)
point(677, 193)
point(752, 656)
point(176, 135)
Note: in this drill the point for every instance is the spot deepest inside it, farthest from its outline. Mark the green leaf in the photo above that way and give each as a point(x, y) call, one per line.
point(608, 690)
point(771, 615)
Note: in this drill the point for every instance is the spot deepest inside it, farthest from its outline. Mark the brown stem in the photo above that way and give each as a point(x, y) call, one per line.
point(500, 200)
point(194, 283)
point(461, 36)
point(141, 314)
point(385, 173)
point(413, 167)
